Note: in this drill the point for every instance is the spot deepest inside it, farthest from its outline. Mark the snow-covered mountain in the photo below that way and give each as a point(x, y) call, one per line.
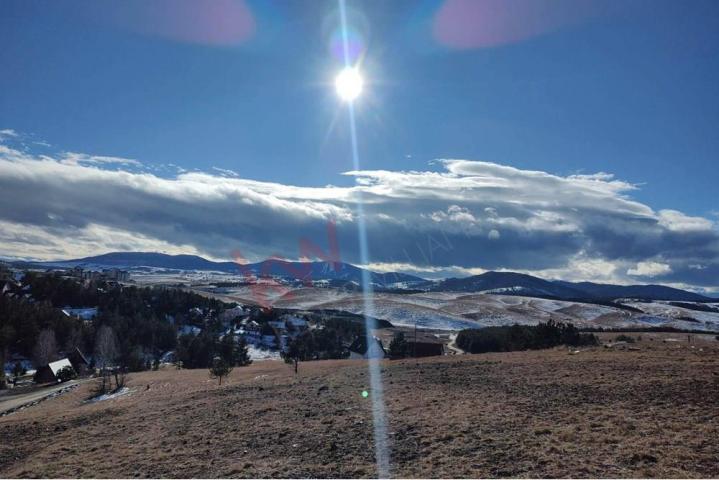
point(273, 267)
point(504, 283)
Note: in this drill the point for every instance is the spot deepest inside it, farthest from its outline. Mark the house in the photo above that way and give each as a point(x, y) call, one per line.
point(360, 348)
point(424, 347)
point(233, 314)
point(78, 361)
point(8, 287)
point(48, 373)
point(85, 314)
point(24, 362)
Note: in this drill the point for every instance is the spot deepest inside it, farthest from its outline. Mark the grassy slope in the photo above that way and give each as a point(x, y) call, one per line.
point(599, 413)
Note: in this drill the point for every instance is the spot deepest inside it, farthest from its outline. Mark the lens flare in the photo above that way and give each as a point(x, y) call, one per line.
point(349, 84)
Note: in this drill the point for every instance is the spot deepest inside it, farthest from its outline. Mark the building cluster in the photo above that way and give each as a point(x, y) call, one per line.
point(274, 334)
point(107, 274)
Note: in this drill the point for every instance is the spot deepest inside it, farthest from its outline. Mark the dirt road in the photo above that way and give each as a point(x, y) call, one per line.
point(13, 400)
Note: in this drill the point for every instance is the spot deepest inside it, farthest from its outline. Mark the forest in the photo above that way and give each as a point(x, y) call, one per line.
point(138, 323)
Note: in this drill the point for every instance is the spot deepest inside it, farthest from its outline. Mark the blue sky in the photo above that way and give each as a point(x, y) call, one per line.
point(628, 88)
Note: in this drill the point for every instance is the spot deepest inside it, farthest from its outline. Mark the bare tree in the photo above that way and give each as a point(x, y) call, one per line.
point(45, 349)
point(105, 356)
point(105, 347)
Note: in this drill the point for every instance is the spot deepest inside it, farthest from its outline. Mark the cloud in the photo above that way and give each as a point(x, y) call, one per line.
point(678, 222)
point(7, 133)
point(468, 216)
point(71, 158)
point(650, 269)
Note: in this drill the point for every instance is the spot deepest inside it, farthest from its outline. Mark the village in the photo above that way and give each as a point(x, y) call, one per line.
point(266, 334)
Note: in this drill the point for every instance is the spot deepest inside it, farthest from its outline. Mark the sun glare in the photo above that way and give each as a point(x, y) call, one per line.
point(349, 84)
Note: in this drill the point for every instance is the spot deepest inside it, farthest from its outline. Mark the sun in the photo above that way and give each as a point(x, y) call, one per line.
point(349, 84)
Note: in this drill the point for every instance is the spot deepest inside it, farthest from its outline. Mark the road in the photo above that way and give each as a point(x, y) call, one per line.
point(11, 400)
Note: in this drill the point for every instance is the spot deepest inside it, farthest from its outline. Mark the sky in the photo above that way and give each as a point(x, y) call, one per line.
point(574, 139)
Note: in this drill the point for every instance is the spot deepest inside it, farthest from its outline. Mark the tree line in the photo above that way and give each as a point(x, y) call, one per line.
point(522, 337)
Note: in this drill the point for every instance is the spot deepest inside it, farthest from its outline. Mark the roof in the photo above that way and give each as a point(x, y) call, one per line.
point(59, 365)
point(85, 313)
point(78, 356)
point(360, 345)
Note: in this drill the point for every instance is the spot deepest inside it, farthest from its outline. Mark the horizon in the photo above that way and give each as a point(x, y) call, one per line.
point(565, 140)
point(707, 294)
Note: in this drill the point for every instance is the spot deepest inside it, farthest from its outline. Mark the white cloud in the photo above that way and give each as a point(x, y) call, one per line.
point(468, 217)
point(649, 269)
point(678, 222)
point(7, 133)
point(72, 158)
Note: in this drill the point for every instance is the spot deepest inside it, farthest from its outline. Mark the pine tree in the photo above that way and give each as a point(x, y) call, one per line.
point(220, 368)
point(242, 358)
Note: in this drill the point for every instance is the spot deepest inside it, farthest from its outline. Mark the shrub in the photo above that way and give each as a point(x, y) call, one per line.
point(65, 374)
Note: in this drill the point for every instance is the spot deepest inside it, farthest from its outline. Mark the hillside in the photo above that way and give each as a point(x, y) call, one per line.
point(457, 310)
point(600, 413)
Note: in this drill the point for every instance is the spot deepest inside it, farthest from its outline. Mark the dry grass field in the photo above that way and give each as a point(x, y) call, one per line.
point(651, 412)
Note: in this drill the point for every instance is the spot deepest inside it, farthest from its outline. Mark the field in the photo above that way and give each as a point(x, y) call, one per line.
point(648, 411)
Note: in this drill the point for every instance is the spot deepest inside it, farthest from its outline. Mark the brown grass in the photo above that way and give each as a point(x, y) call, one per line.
point(601, 413)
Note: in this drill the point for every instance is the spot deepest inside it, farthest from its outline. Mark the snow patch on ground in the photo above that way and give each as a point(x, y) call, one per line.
point(259, 354)
point(111, 396)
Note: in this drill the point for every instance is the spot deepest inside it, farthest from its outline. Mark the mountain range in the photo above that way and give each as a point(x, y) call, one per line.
point(505, 283)
point(273, 267)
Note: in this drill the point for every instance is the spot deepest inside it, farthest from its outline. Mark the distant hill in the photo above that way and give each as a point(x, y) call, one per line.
point(646, 292)
point(280, 268)
point(502, 283)
point(509, 283)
